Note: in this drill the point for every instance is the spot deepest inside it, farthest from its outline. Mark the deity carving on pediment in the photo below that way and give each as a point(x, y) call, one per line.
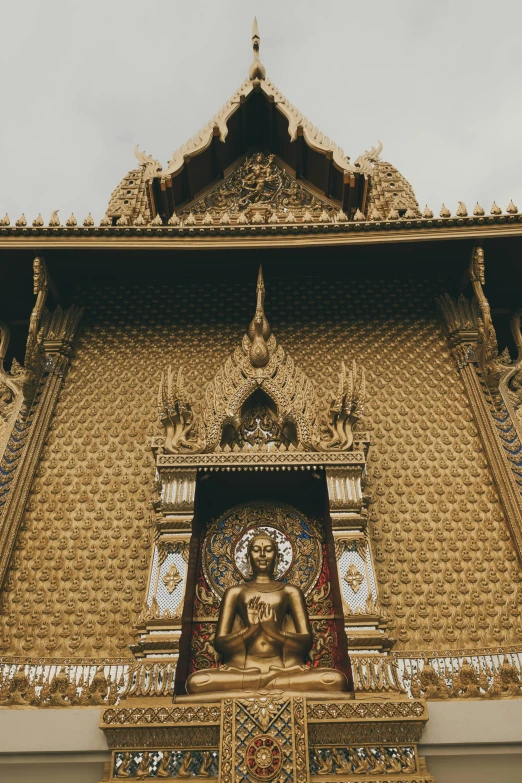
point(259, 183)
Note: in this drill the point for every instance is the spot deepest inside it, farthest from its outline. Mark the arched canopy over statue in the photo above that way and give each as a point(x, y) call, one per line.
point(263, 636)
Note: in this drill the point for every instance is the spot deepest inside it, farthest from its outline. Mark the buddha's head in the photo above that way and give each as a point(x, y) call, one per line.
point(262, 554)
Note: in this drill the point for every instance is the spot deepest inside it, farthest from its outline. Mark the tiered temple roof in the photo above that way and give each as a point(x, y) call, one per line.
point(259, 118)
point(260, 168)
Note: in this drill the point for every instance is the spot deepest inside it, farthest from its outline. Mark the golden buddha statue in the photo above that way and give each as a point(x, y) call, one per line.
point(263, 636)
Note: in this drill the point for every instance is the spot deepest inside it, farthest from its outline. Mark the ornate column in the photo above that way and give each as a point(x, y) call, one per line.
point(365, 625)
point(159, 625)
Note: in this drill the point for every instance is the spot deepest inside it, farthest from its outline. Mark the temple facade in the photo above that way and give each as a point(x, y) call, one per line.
point(261, 472)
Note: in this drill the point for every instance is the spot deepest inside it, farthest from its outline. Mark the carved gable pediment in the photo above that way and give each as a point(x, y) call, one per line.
point(260, 183)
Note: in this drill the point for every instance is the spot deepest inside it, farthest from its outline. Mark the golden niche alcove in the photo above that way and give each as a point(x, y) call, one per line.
point(222, 533)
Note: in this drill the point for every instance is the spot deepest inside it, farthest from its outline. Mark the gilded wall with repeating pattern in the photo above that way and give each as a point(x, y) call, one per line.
point(446, 568)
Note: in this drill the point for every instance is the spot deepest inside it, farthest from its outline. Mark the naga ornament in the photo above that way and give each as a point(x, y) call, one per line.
point(176, 413)
point(345, 409)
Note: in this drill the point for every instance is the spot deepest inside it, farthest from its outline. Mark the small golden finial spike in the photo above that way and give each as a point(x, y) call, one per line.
point(259, 330)
point(260, 290)
point(260, 309)
point(257, 69)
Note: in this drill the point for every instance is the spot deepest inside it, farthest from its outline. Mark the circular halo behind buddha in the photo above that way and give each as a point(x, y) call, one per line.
point(285, 552)
point(225, 548)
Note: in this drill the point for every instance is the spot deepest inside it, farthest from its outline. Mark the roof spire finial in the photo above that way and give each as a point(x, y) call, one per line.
point(257, 69)
point(260, 290)
point(259, 330)
point(260, 309)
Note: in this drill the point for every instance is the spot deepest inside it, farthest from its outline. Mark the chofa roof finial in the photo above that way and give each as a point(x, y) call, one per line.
point(257, 69)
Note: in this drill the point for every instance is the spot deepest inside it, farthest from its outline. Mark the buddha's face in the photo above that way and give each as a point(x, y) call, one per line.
point(263, 554)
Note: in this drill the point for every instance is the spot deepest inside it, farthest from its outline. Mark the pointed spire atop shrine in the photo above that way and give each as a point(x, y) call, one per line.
point(259, 330)
point(260, 309)
point(257, 69)
point(260, 290)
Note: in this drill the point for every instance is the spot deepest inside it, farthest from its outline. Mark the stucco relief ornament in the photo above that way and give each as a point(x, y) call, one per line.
point(39, 323)
point(345, 409)
point(489, 359)
point(354, 578)
point(512, 378)
point(264, 710)
point(172, 578)
point(264, 757)
point(259, 183)
point(176, 414)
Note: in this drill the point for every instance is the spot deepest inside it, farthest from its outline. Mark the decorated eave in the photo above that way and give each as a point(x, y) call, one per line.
point(323, 229)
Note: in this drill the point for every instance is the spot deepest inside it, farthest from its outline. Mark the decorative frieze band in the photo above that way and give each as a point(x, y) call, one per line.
point(262, 460)
point(459, 674)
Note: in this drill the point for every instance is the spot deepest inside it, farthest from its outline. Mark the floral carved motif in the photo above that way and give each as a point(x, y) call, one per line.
point(354, 578)
point(172, 578)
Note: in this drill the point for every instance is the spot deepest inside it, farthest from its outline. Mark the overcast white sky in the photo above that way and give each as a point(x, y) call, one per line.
point(439, 83)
